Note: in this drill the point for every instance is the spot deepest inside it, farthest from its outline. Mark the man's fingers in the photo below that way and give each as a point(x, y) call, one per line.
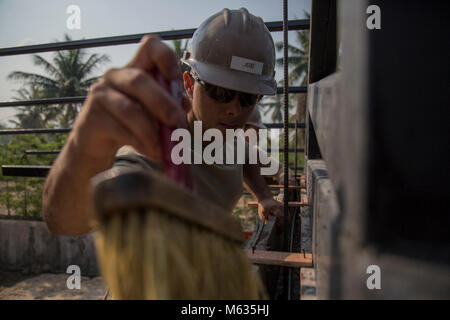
point(154, 53)
point(263, 213)
point(142, 87)
point(133, 116)
point(109, 129)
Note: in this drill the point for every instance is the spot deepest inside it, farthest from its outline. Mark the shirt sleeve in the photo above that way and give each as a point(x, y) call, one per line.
point(127, 156)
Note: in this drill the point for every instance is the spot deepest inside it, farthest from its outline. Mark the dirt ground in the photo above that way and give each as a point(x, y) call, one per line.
point(47, 286)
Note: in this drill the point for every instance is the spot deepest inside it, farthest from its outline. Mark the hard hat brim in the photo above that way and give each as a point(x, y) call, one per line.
point(233, 79)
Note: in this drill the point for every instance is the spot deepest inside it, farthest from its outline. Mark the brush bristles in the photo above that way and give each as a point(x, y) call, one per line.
point(152, 255)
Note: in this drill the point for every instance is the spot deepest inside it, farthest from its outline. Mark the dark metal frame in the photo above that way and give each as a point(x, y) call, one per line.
point(80, 99)
point(273, 26)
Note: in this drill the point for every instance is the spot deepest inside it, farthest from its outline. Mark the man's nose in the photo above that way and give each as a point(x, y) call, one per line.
point(233, 107)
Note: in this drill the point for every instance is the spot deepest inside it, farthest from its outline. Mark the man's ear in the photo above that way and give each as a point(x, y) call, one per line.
point(188, 84)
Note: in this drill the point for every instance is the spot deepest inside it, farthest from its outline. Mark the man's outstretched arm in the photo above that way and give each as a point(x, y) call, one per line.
point(257, 185)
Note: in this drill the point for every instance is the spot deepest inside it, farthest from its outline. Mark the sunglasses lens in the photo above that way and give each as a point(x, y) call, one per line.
point(223, 95)
point(247, 99)
point(219, 94)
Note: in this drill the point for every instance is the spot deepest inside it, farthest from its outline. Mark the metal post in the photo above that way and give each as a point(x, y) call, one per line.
point(286, 272)
point(7, 197)
point(296, 139)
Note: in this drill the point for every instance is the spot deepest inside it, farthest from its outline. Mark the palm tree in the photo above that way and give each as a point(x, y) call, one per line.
point(31, 116)
point(68, 75)
point(298, 56)
point(276, 105)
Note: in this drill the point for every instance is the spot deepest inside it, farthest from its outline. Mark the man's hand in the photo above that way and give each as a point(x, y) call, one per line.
point(274, 208)
point(124, 107)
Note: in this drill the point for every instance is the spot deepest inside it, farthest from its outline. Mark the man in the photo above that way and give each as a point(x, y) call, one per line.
point(254, 122)
point(232, 58)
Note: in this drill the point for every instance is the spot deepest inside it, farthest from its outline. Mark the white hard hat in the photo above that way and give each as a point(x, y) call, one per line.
point(234, 49)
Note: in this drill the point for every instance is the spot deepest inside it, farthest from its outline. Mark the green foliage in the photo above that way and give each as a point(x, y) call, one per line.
point(300, 155)
point(30, 116)
point(69, 73)
point(21, 196)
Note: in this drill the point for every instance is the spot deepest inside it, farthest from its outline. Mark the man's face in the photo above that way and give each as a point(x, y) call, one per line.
point(212, 113)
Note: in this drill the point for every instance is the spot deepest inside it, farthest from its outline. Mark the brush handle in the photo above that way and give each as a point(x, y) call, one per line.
point(181, 173)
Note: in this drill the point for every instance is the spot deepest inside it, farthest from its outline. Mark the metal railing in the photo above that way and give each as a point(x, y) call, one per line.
point(80, 99)
point(274, 26)
point(67, 130)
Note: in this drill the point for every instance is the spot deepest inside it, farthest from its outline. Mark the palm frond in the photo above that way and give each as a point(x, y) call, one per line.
point(292, 61)
point(31, 78)
point(292, 49)
point(68, 73)
point(48, 67)
point(94, 61)
point(89, 82)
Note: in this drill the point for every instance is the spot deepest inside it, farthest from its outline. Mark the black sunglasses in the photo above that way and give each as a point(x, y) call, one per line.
point(223, 95)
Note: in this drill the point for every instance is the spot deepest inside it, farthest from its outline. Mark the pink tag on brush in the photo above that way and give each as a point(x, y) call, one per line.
point(181, 173)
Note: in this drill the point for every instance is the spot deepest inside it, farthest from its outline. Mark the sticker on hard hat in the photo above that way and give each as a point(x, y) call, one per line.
point(247, 65)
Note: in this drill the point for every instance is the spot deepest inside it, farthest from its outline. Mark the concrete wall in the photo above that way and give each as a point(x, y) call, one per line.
point(324, 208)
point(28, 246)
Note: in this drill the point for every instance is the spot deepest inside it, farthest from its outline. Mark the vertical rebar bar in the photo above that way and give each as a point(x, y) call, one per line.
point(7, 197)
point(286, 271)
point(296, 144)
point(293, 222)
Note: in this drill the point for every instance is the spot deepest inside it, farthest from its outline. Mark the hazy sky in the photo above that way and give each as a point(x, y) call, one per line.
point(26, 22)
